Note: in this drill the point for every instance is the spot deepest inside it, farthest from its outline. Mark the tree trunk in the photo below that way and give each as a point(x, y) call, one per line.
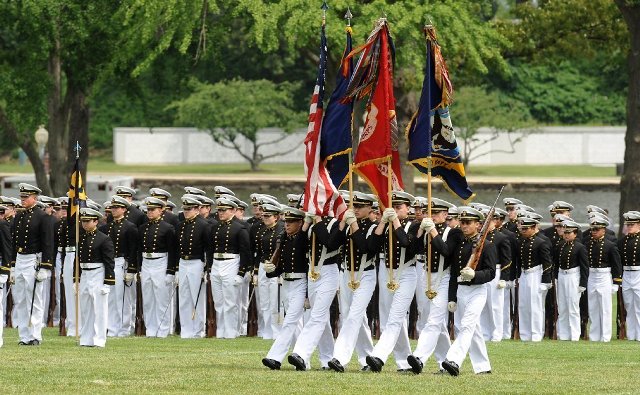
point(630, 181)
point(78, 129)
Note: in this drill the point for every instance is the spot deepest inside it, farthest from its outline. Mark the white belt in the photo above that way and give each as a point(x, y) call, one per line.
point(70, 249)
point(90, 265)
point(293, 276)
point(570, 271)
point(632, 268)
point(600, 269)
point(533, 269)
point(154, 255)
point(224, 255)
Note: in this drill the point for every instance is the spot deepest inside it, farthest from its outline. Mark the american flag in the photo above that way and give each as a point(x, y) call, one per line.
point(320, 195)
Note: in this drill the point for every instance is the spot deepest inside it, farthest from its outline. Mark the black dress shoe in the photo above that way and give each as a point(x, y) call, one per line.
point(365, 368)
point(297, 361)
point(21, 343)
point(375, 363)
point(451, 367)
point(271, 363)
point(416, 364)
point(34, 342)
point(336, 365)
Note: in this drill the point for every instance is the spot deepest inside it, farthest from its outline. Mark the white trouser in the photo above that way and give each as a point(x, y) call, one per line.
point(344, 296)
point(23, 290)
point(599, 300)
point(226, 297)
point(317, 330)
point(531, 306)
point(434, 336)
point(68, 275)
point(509, 299)
point(402, 348)
point(192, 289)
point(93, 307)
point(5, 294)
point(116, 300)
point(156, 296)
point(355, 332)
point(491, 317)
point(471, 300)
point(568, 325)
point(296, 292)
point(129, 314)
point(243, 314)
point(422, 301)
point(58, 269)
point(267, 302)
point(631, 295)
point(395, 332)
point(46, 300)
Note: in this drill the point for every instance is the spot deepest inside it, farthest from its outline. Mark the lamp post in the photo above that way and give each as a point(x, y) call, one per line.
point(42, 137)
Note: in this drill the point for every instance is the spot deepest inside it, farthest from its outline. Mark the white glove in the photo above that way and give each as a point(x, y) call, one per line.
point(130, 277)
point(169, 279)
point(614, 288)
point(581, 289)
point(308, 218)
point(467, 274)
point(510, 284)
point(254, 279)
point(427, 225)
point(269, 267)
point(75, 288)
point(42, 274)
point(545, 287)
point(502, 284)
point(237, 280)
point(452, 307)
point(12, 276)
point(386, 214)
point(4, 278)
point(105, 289)
point(349, 217)
point(393, 217)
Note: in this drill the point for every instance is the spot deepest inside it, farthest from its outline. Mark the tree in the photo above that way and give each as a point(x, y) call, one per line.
point(475, 107)
point(630, 181)
point(54, 53)
point(231, 110)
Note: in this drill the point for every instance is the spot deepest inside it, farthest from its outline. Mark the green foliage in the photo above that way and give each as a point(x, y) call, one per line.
point(237, 107)
point(564, 93)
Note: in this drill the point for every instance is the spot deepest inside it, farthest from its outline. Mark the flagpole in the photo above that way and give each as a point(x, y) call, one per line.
point(77, 242)
point(429, 292)
point(391, 285)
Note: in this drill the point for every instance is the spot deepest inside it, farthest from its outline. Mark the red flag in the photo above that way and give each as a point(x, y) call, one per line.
point(320, 195)
point(379, 140)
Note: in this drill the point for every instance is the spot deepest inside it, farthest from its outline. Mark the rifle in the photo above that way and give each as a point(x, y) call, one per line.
point(515, 316)
point(52, 299)
point(621, 316)
point(479, 246)
point(140, 328)
point(63, 311)
point(211, 312)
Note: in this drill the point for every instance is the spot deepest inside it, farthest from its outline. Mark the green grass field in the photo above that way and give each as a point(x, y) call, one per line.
point(141, 365)
point(103, 165)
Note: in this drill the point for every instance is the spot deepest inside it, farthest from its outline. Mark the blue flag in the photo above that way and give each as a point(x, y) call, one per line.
point(430, 132)
point(337, 124)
